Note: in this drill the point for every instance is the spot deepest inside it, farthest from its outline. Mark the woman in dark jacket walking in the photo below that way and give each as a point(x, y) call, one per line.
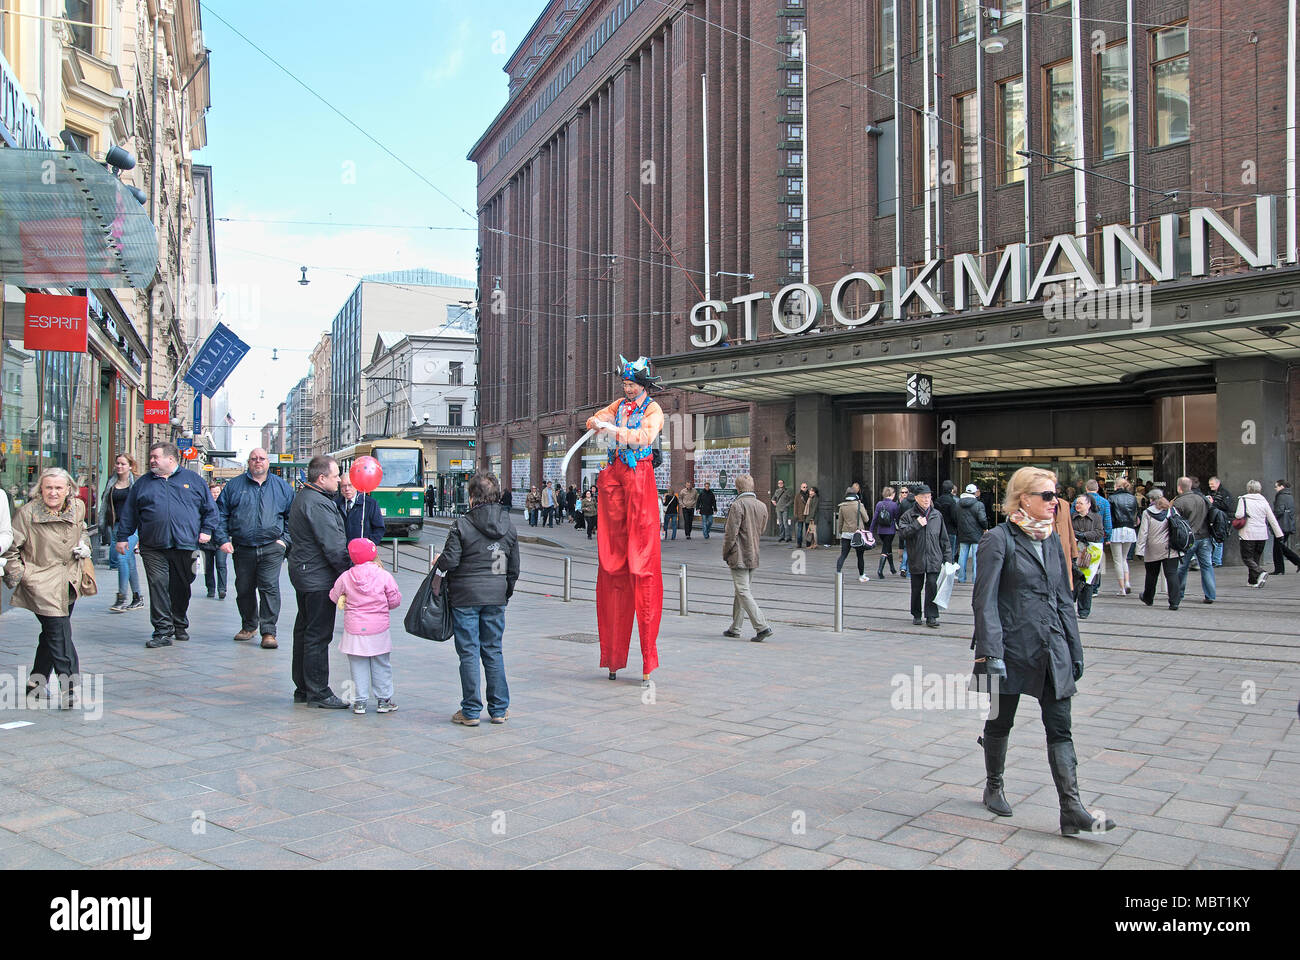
point(481, 564)
point(884, 516)
point(1027, 637)
point(1284, 510)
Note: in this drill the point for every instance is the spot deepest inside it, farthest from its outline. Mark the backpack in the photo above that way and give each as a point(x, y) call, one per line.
point(1220, 525)
point(1180, 533)
point(884, 516)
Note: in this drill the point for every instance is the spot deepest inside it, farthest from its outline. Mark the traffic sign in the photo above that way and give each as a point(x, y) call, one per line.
point(184, 443)
point(286, 458)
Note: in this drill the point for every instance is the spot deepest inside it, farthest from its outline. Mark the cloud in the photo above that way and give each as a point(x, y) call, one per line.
point(453, 61)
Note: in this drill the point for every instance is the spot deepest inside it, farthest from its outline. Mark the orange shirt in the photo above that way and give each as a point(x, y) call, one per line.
point(652, 422)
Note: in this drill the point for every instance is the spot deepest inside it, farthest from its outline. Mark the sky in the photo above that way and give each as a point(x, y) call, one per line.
point(422, 77)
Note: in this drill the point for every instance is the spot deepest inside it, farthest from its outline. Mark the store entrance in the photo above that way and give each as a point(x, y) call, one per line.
point(991, 470)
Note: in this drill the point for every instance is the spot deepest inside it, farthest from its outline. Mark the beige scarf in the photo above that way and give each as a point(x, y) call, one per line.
point(1037, 529)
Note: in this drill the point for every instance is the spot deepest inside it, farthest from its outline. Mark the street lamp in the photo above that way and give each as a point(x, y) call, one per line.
point(993, 43)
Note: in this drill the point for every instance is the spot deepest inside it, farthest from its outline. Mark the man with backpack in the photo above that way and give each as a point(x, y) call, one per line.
point(1220, 499)
point(1195, 509)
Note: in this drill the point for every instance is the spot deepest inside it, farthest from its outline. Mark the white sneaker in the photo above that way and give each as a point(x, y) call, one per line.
point(864, 579)
point(359, 707)
point(1260, 581)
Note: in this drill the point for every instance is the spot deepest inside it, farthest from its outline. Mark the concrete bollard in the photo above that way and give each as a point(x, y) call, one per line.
point(839, 601)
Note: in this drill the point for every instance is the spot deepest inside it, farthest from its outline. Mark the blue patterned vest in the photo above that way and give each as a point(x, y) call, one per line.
point(631, 455)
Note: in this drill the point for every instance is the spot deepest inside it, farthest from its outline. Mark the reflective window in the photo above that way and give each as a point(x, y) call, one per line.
point(1058, 123)
point(1170, 87)
point(1011, 130)
point(1112, 97)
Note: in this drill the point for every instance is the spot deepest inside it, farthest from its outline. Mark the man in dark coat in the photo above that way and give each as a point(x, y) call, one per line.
point(255, 510)
point(707, 505)
point(946, 504)
point(922, 529)
point(1284, 510)
point(174, 513)
point(1221, 499)
point(1195, 509)
point(972, 521)
point(318, 553)
point(361, 514)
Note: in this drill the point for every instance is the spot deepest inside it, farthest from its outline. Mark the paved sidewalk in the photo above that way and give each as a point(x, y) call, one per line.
point(789, 753)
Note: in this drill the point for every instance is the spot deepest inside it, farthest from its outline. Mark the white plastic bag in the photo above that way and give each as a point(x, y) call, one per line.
point(947, 577)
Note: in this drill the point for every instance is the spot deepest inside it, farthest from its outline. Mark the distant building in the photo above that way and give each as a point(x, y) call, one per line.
point(400, 302)
point(299, 413)
point(422, 386)
point(321, 406)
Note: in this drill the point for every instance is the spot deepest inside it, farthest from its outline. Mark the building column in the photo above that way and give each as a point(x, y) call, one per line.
point(814, 456)
point(1252, 419)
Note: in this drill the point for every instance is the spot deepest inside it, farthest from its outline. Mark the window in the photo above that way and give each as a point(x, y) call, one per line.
point(1012, 10)
point(794, 158)
point(793, 78)
point(81, 11)
point(1011, 130)
point(794, 211)
point(965, 13)
point(886, 198)
point(455, 373)
point(966, 141)
point(794, 184)
point(453, 414)
point(886, 33)
point(794, 25)
point(796, 239)
point(796, 265)
point(1170, 103)
point(1058, 119)
point(1112, 97)
point(794, 105)
point(794, 131)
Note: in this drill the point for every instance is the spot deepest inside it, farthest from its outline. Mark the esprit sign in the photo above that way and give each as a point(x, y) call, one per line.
point(52, 322)
point(1013, 278)
point(157, 411)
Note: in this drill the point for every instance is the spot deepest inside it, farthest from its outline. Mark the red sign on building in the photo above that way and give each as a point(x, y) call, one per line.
point(157, 411)
point(52, 322)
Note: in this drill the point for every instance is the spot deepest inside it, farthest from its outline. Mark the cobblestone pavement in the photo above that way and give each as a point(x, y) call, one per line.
point(790, 753)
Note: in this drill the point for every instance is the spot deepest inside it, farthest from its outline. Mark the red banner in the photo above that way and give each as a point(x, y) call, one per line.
point(157, 411)
point(52, 322)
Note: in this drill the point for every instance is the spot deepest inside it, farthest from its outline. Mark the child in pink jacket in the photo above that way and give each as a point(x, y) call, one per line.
point(367, 593)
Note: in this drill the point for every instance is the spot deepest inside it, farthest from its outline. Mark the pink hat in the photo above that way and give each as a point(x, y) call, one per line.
point(362, 550)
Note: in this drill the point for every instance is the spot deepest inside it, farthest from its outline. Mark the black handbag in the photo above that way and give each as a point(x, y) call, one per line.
point(429, 615)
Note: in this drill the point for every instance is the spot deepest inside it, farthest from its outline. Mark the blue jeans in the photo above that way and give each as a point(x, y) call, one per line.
point(965, 550)
point(708, 524)
point(478, 633)
point(1218, 553)
point(952, 540)
point(128, 574)
point(1202, 550)
point(902, 566)
point(670, 520)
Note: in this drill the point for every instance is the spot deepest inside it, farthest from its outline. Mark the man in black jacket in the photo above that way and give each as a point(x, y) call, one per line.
point(707, 505)
point(255, 509)
point(1221, 499)
point(946, 504)
point(361, 514)
point(318, 554)
point(972, 521)
point(1284, 510)
point(928, 548)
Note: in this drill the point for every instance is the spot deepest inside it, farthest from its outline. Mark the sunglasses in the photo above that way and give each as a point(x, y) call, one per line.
point(1047, 495)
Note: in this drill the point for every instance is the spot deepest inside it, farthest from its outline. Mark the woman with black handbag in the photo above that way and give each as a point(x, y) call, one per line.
point(851, 521)
point(480, 562)
point(1027, 640)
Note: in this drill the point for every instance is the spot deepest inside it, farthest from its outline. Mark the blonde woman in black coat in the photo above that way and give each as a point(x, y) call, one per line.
point(1027, 637)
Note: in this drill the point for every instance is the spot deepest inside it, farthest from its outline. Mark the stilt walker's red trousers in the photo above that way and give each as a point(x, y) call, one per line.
point(630, 580)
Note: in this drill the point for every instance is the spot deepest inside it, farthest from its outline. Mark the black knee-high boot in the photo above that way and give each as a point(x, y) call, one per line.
point(995, 760)
point(880, 570)
point(1074, 815)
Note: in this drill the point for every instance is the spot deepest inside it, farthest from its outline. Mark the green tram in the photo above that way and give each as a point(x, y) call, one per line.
point(401, 492)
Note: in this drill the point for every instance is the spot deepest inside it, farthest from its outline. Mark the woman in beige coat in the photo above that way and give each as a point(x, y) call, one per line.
point(43, 565)
point(1154, 549)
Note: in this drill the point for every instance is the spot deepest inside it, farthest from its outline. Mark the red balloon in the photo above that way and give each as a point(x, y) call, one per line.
point(366, 474)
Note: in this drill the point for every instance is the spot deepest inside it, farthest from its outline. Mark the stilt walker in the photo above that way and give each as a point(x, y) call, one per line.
point(629, 581)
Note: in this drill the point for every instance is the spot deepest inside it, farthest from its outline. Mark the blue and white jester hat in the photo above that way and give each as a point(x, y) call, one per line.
point(638, 371)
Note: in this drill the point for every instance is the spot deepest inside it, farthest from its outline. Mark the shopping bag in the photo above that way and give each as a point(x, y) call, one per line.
point(1091, 560)
point(429, 615)
point(947, 577)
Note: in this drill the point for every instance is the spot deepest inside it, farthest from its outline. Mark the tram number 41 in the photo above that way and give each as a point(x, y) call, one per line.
point(920, 392)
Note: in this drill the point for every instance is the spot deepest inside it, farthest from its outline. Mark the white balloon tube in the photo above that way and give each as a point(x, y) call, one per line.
point(564, 464)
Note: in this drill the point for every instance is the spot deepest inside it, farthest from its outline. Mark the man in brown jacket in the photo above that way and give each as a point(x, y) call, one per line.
point(687, 500)
point(746, 521)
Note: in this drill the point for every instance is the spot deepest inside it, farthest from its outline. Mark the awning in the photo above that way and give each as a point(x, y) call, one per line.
point(66, 221)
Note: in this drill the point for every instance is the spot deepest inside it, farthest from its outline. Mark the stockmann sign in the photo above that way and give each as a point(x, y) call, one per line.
point(1012, 278)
